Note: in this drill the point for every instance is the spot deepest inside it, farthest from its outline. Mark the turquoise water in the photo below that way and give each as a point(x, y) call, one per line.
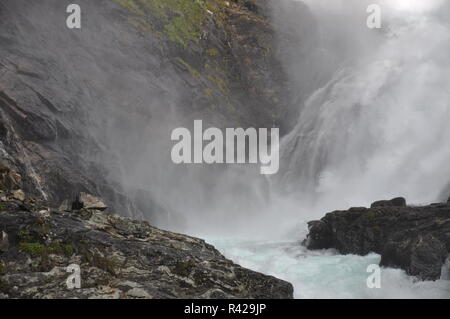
point(326, 274)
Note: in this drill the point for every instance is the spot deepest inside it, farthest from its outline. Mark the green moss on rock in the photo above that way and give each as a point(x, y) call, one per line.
point(97, 260)
point(32, 249)
point(36, 249)
point(195, 74)
point(183, 268)
point(181, 20)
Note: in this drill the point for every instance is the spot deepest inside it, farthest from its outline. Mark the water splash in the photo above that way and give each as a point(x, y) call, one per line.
point(379, 127)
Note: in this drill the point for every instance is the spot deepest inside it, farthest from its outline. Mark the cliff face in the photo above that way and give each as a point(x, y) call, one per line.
point(91, 110)
point(78, 107)
point(118, 258)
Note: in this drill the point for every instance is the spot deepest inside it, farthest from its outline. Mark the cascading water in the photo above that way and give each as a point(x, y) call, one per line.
point(377, 129)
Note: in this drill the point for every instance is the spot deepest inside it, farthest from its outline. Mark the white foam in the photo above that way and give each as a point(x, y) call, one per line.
point(326, 274)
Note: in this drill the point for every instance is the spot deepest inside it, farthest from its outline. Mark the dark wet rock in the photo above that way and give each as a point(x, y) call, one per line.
point(421, 255)
point(416, 239)
point(118, 258)
point(395, 202)
point(251, 5)
point(319, 237)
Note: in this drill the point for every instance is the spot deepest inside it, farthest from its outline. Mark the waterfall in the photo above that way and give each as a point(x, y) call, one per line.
point(375, 126)
point(445, 273)
point(379, 127)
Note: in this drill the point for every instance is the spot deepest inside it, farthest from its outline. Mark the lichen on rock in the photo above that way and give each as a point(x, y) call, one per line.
point(118, 258)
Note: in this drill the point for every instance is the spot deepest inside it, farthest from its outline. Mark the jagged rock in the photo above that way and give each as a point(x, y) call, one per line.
point(416, 239)
point(395, 202)
point(19, 195)
point(9, 178)
point(138, 293)
point(319, 236)
point(230, 73)
point(118, 258)
point(89, 201)
point(421, 255)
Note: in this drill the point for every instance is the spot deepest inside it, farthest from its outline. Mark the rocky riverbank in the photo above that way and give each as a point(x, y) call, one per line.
point(413, 238)
point(118, 257)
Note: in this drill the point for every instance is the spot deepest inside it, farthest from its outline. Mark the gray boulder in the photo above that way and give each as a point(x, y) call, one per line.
point(395, 202)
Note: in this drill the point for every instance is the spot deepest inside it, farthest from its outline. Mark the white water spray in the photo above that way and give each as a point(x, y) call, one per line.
point(379, 128)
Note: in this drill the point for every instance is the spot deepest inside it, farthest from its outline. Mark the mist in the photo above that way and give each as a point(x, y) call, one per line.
point(378, 128)
point(372, 105)
point(374, 121)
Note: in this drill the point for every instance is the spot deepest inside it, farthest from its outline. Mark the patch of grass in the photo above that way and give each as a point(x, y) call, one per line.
point(24, 235)
point(181, 20)
point(219, 82)
point(195, 74)
point(33, 249)
point(96, 260)
point(69, 250)
point(217, 77)
point(40, 250)
point(58, 248)
point(183, 268)
point(3, 207)
point(212, 52)
point(34, 232)
point(208, 92)
point(131, 5)
point(104, 263)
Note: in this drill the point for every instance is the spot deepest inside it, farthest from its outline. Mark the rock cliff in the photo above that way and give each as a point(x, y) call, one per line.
point(85, 111)
point(118, 257)
point(79, 108)
point(416, 239)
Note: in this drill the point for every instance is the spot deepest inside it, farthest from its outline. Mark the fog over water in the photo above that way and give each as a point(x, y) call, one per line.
point(375, 127)
point(378, 128)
